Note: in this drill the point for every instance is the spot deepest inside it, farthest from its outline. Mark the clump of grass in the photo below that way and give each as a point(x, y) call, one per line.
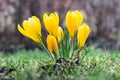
point(36, 65)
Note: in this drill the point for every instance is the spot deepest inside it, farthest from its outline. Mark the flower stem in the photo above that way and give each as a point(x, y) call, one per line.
point(48, 52)
point(44, 47)
point(71, 48)
point(79, 52)
point(56, 55)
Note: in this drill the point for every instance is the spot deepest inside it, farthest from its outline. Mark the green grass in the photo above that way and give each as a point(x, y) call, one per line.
point(35, 65)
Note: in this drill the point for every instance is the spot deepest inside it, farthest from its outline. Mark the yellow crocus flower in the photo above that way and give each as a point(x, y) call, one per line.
point(51, 23)
point(60, 34)
point(52, 44)
point(73, 21)
point(31, 29)
point(82, 34)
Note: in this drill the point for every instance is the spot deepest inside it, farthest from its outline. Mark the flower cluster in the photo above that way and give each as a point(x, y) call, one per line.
point(57, 43)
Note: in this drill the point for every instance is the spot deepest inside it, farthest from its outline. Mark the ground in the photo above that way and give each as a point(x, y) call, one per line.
point(36, 65)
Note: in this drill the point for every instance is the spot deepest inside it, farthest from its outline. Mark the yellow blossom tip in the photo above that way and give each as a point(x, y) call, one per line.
point(52, 44)
point(82, 35)
point(51, 23)
point(73, 20)
point(31, 29)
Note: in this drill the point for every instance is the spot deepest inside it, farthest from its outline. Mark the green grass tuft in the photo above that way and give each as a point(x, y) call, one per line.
point(36, 65)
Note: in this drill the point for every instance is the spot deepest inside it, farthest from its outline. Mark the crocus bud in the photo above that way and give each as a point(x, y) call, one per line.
point(52, 44)
point(31, 29)
point(73, 21)
point(82, 34)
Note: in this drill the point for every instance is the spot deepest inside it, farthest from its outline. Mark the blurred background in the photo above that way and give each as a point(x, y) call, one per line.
point(103, 16)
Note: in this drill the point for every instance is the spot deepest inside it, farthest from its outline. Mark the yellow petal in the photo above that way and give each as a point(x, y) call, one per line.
point(46, 22)
point(51, 23)
point(25, 25)
point(52, 44)
point(73, 21)
point(54, 23)
point(60, 34)
point(79, 17)
point(38, 24)
point(49, 43)
point(55, 18)
point(31, 29)
point(21, 30)
point(68, 21)
point(82, 35)
point(32, 26)
point(37, 20)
